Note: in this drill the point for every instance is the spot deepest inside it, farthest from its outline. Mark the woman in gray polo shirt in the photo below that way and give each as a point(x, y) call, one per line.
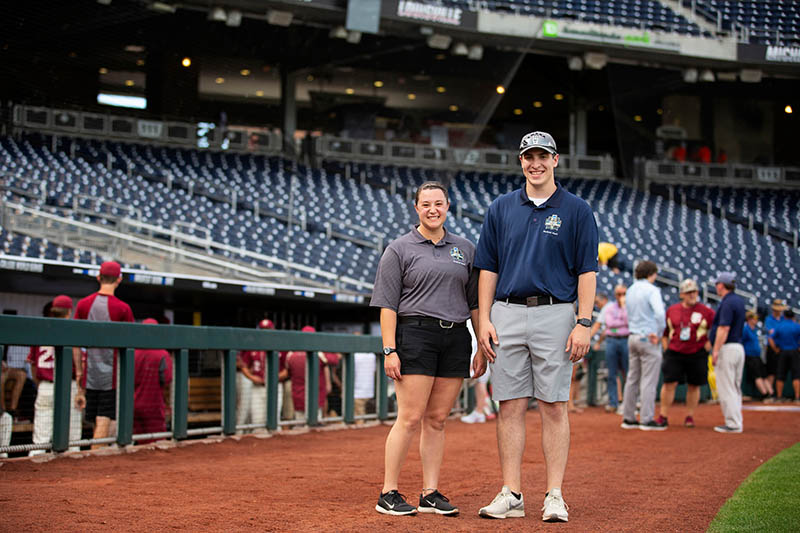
point(426, 289)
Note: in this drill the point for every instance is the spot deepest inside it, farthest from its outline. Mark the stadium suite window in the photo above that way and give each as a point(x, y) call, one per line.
point(121, 100)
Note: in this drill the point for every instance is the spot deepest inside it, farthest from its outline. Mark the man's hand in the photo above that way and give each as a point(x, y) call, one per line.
point(487, 336)
point(714, 357)
point(653, 338)
point(391, 365)
point(80, 399)
point(578, 343)
point(478, 364)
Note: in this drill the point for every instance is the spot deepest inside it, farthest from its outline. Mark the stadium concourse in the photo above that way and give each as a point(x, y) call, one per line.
point(326, 480)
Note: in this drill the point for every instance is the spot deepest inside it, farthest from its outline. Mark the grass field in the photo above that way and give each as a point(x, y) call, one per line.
point(768, 500)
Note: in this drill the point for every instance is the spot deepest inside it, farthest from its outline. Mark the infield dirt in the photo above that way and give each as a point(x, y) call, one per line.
point(617, 480)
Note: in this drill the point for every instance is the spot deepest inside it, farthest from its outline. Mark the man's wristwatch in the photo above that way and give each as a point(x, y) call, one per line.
point(387, 351)
point(585, 322)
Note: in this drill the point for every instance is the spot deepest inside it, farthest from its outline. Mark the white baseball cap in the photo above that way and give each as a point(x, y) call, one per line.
point(538, 139)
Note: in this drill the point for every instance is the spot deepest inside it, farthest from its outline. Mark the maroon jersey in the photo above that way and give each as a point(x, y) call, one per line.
point(152, 372)
point(101, 369)
point(687, 327)
point(255, 361)
point(296, 364)
point(42, 359)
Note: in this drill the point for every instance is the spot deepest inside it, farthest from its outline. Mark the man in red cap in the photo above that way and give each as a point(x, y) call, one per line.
point(251, 389)
point(99, 396)
point(42, 361)
point(152, 379)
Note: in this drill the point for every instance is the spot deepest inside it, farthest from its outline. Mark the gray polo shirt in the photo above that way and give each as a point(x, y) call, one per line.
point(418, 278)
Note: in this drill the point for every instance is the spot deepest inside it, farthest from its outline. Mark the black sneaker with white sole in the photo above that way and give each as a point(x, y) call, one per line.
point(629, 424)
point(394, 503)
point(436, 502)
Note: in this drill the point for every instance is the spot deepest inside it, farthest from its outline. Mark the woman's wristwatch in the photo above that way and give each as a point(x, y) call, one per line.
point(387, 351)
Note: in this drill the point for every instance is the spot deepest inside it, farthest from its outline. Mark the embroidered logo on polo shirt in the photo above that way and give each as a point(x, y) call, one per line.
point(552, 224)
point(457, 255)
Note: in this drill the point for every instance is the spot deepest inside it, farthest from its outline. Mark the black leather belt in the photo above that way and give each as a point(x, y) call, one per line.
point(429, 321)
point(533, 301)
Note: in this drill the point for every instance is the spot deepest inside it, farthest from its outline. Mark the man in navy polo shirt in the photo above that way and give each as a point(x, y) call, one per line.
point(537, 254)
point(728, 352)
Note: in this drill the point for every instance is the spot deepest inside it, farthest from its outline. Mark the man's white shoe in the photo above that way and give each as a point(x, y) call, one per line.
point(475, 417)
point(554, 508)
point(504, 505)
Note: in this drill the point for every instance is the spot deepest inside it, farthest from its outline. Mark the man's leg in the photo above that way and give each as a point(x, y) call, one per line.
point(632, 381)
point(101, 428)
point(668, 397)
point(511, 440)
point(727, 385)
point(692, 398)
point(651, 367)
point(555, 441)
point(19, 376)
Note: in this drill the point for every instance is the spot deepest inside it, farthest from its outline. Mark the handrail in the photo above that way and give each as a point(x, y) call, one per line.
point(65, 334)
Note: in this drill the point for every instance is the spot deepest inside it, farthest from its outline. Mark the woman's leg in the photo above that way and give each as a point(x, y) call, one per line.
point(413, 392)
point(431, 443)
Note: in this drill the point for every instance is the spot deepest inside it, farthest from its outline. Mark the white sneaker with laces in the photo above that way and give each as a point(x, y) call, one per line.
point(554, 508)
point(475, 417)
point(504, 505)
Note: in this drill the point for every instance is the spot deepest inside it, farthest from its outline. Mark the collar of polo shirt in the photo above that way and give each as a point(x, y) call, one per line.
point(553, 201)
point(421, 238)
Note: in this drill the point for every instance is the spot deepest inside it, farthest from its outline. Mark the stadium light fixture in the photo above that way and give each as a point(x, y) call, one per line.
point(186, 62)
point(441, 89)
point(537, 104)
point(453, 108)
point(475, 52)
point(439, 41)
point(378, 84)
point(595, 60)
point(162, 7)
point(217, 14)
point(558, 96)
point(500, 89)
point(279, 18)
point(245, 72)
point(339, 32)
point(460, 49)
point(518, 111)
point(690, 75)
point(788, 110)
point(412, 96)
point(234, 18)
point(707, 76)
point(575, 63)
point(750, 75)
point(103, 70)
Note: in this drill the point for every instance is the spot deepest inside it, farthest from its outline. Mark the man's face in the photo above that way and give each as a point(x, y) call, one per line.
point(537, 165)
point(689, 298)
point(719, 287)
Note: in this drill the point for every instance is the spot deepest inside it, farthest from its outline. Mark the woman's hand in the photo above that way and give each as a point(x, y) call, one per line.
point(391, 364)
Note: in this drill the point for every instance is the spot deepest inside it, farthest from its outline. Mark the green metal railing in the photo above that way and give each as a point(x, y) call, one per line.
point(126, 337)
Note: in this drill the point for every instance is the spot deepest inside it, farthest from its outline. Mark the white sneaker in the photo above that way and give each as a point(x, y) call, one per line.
point(475, 417)
point(554, 508)
point(504, 505)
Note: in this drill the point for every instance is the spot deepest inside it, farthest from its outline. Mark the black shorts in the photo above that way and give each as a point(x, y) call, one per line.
point(430, 350)
point(788, 360)
point(691, 368)
point(101, 403)
point(755, 367)
point(772, 362)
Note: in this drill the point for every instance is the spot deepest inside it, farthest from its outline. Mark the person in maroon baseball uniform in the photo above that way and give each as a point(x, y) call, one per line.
point(99, 397)
point(42, 361)
point(251, 386)
point(152, 380)
point(296, 367)
point(686, 350)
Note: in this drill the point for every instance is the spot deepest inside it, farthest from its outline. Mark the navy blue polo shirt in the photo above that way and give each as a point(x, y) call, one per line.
point(538, 250)
point(730, 312)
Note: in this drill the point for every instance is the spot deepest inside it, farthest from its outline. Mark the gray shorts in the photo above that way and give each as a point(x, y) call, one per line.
point(531, 358)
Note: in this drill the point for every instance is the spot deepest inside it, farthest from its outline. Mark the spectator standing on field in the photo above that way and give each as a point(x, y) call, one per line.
point(251, 406)
point(728, 353)
point(99, 398)
point(786, 339)
point(772, 320)
point(613, 319)
point(686, 349)
point(752, 357)
point(645, 308)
